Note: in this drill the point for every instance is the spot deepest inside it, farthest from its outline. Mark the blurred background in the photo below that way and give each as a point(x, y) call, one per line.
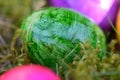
point(12, 12)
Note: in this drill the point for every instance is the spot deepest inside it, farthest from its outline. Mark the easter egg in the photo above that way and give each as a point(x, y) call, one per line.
point(96, 10)
point(53, 36)
point(29, 72)
point(118, 26)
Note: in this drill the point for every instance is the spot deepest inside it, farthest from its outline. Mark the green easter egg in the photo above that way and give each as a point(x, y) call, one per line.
point(52, 35)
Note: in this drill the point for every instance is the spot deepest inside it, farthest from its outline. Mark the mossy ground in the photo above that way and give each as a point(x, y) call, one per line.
point(12, 51)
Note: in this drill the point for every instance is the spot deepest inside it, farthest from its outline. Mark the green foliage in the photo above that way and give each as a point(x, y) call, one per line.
point(15, 9)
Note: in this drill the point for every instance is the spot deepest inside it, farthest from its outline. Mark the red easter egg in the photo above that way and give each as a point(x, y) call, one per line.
point(29, 72)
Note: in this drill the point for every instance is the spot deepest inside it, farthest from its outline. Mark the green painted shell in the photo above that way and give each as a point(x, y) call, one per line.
point(52, 35)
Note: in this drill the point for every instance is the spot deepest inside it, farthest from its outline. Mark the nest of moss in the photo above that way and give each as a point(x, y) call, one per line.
point(12, 52)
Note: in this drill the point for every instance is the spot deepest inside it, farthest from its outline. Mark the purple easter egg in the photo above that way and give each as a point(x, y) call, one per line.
point(96, 10)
